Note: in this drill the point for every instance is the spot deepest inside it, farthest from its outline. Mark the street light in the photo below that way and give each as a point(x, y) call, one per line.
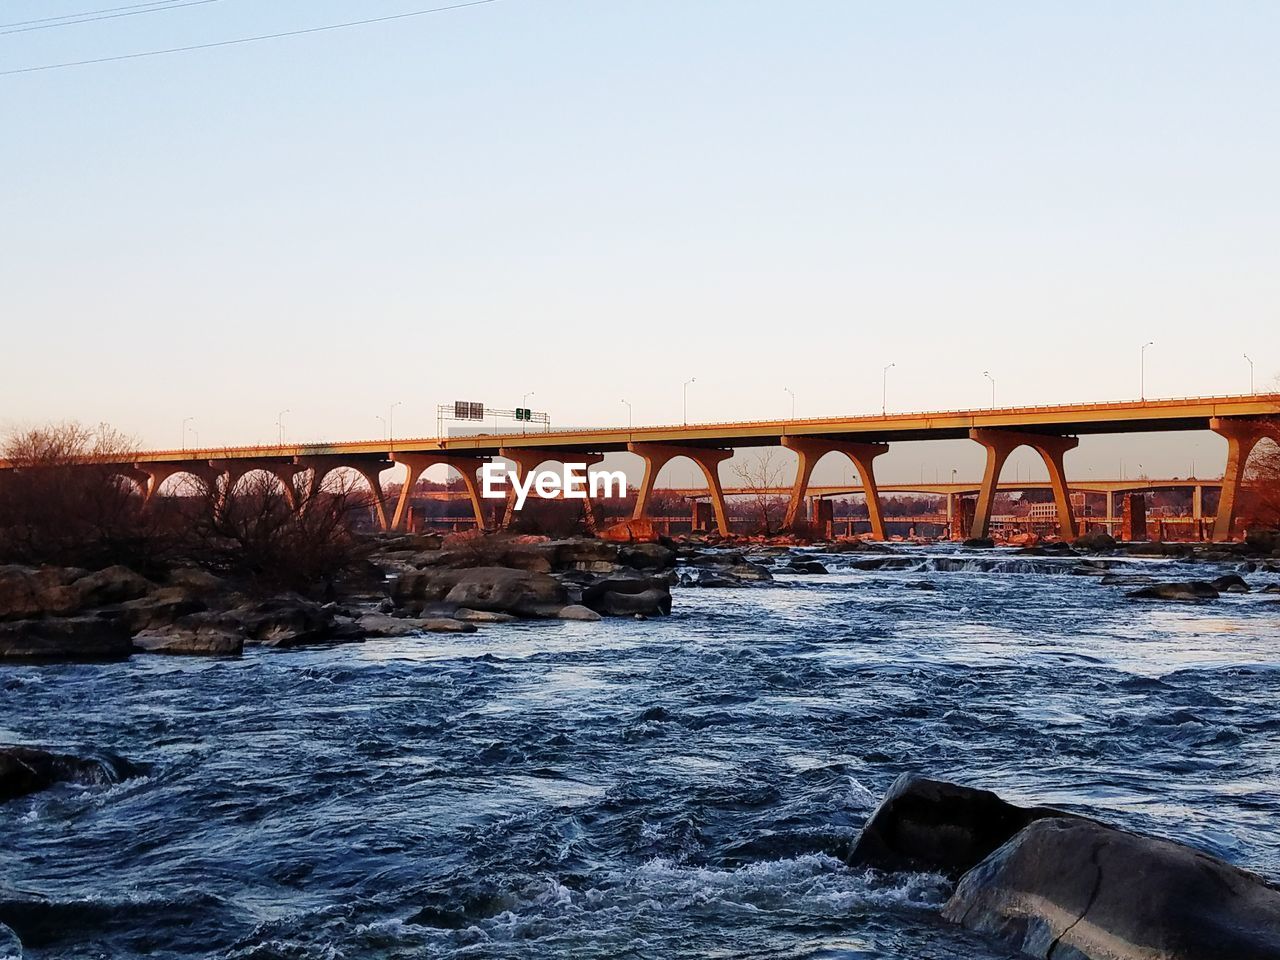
point(391, 422)
point(1246, 356)
point(686, 398)
point(988, 375)
point(628, 403)
point(524, 402)
point(793, 402)
point(386, 435)
point(280, 426)
point(884, 388)
point(1142, 383)
point(185, 421)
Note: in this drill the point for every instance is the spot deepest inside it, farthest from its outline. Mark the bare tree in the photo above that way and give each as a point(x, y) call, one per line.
point(761, 475)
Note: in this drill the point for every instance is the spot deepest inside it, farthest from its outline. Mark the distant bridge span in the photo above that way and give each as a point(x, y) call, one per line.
point(1049, 430)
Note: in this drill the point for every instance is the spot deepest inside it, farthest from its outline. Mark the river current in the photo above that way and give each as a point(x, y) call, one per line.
point(678, 787)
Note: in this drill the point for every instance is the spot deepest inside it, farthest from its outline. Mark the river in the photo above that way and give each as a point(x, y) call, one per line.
point(679, 787)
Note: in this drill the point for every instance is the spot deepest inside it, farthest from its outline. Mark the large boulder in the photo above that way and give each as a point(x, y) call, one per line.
point(924, 824)
point(576, 611)
point(381, 625)
point(1230, 583)
point(1184, 590)
point(1095, 541)
point(112, 585)
point(631, 531)
point(521, 592)
point(156, 610)
point(25, 770)
point(647, 556)
point(624, 596)
point(28, 592)
point(64, 638)
point(1076, 889)
point(200, 634)
point(286, 621)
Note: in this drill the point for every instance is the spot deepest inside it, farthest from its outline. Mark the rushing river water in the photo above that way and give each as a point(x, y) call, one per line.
point(672, 788)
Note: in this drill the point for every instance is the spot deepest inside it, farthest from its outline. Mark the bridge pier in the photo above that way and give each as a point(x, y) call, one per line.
point(1242, 436)
point(1001, 443)
point(810, 451)
point(321, 466)
point(658, 455)
point(416, 464)
point(528, 460)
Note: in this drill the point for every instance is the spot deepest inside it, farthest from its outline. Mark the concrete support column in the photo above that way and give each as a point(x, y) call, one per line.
point(372, 473)
point(528, 460)
point(658, 455)
point(810, 450)
point(1241, 436)
point(1001, 443)
point(417, 463)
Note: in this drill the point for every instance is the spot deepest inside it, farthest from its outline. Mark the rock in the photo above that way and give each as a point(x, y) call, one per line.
point(196, 580)
point(1271, 588)
point(286, 621)
point(631, 531)
point(1126, 579)
point(1074, 888)
point(750, 571)
point(482, 616)
point(25, 770)
point(624, 596)
point(1096, 541)
point(27, 592)
point(924, 824)
point(521, 592)
point(64, 638)
point(380, 625)
point(806, 566)
point(112, 585)
point(854, 545)
point(1231, 583)
point(158, 609)
point(200, 634)
point(979, 542)
point(647, 556)
point(576, 611)
point(1189, 590)
point(921, 585)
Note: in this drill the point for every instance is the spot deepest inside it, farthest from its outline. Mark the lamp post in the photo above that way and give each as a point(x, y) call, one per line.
point(185, 421)
point(884, 388)
point(987, 374)
point(1246, 356)
point(628, 403)
point(386, 434)
point(793, 401)
point(391, 423)
point(280, 427)
point(686, 398)
point(524, 402)
point(1142, 382)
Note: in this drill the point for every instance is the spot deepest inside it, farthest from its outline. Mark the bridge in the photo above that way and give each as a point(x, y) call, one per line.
point(1051, 431)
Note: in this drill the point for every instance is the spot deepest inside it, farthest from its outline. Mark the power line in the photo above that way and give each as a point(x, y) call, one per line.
point(88, 13)
point(254, 39)
point(105, 16)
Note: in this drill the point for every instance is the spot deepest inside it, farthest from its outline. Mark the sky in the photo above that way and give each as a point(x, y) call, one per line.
point(597, 200)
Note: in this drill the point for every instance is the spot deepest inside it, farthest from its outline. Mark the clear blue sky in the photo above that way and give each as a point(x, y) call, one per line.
point(597, 200)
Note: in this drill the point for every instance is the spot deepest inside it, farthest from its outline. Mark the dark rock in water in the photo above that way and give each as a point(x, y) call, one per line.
point(854, 545)
point(626, 596)
point(1126, 580)
point(1231, 583)
point(750, 571)
point(64, 638)
point(1096, 541)
point(806, 566)
point(285, 621)
point(979, 542)
point(381, 625)
point(158, 609)
point(1271, 588)
point(521, 592)
point(647, 556)
point(1074, 888)
point(199, 634)
point(921, 585)
point(1056, 549)
point(1187, 590)
point(924, 824)
point(26, 770)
